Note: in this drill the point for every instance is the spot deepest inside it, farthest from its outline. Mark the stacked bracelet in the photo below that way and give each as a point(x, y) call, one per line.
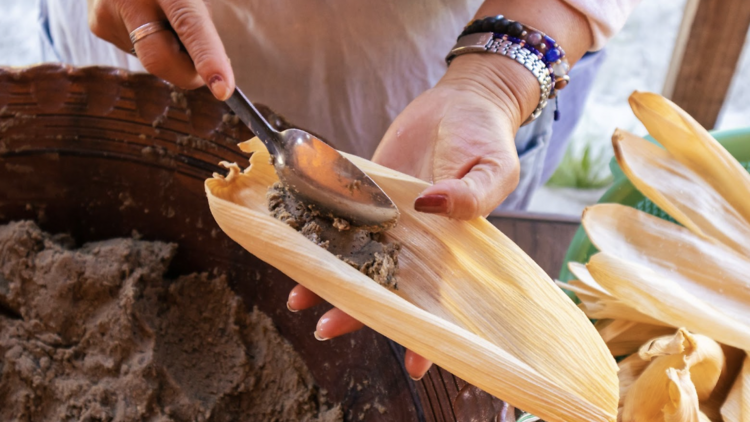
point(531, 38)
point(511, 48)
point(538, 52)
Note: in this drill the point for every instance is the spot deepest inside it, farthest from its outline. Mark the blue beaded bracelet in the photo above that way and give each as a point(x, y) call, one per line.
point(537, 42)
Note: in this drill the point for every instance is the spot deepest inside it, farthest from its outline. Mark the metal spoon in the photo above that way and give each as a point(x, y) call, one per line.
point(317, 173)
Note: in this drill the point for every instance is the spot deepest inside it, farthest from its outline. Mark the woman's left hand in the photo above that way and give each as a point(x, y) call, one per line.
point(458, 135)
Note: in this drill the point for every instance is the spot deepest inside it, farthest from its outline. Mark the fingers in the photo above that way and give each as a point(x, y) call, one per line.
point(301, 298)
point(201, 60)
point(161, 55)
point(332, 324)
point(477, 193)
point(416, 365)
point(192, 22)
point(105, 22)
point(335, 323)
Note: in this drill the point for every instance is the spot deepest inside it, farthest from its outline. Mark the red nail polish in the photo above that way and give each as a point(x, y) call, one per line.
point(219, 87)
point(432, 204)
point(214, 79)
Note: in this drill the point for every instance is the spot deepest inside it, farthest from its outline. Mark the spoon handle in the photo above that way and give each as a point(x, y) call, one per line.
point(250, 115)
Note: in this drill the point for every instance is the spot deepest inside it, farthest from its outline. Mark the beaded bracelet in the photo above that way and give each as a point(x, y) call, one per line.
point(530, 38)
point(511, 48)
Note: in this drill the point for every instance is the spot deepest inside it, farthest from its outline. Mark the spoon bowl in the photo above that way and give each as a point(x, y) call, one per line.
point(319, 174)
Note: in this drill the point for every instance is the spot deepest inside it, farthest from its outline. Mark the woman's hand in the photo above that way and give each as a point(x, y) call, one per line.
point(203, 62)
point(459, 135)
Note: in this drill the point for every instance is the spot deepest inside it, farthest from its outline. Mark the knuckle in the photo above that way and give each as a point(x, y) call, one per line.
point(185, 19)
point(98, 16)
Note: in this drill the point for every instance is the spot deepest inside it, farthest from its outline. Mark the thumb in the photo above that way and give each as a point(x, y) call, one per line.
point(476, 194)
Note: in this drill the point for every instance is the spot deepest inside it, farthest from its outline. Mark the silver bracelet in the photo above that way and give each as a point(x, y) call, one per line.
point(485, 42)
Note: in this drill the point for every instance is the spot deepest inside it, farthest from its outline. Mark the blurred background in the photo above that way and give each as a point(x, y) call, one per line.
point(634, 61)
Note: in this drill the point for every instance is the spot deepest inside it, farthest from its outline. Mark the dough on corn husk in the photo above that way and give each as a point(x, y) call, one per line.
point(469, 299)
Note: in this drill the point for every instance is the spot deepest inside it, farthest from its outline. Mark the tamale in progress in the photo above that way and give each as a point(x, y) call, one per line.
point(468, 298)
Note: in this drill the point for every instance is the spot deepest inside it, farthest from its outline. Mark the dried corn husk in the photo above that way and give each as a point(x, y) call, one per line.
point(469, 299)
point(582, 274)
point(596, 303)
point(696, 149)
point(701, 358)
point(737, 406)
point(682, 193)
point(733, 359)
point(630, 369)
point(683, 400)
point(624, 337)
point(670, 274)
point(693, 276)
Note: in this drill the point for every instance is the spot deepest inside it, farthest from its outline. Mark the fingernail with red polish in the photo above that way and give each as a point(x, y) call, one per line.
point(318, 337)
point(288, 306)
point(219, 87)
point(432, 204)
point(416, 379)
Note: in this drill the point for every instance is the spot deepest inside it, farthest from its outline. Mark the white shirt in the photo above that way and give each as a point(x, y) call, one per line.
point(342, 69)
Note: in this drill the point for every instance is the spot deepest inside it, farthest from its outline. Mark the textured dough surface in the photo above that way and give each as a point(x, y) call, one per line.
point(98, 333)
point(360, 247)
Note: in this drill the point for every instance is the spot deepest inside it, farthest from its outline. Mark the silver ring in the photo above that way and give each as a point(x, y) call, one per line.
point(147, 29)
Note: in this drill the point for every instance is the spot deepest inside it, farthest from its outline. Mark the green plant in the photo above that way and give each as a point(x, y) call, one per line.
point(586, 170)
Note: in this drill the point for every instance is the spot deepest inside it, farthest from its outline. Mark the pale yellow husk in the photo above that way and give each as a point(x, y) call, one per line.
point(679, 191)
point(737, 406)
point(694, 276)
point(624, 337)
point(696, 149)
point(683, 400)
point(469, 299)
point(654, 396)
point(733, 359)
point(597, 303)
point(668, 273)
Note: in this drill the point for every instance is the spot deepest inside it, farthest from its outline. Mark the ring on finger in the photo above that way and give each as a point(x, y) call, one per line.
point(151, 28)
point(147, 29)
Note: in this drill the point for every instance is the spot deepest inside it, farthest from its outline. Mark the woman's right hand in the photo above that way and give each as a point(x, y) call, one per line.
point(203, 59)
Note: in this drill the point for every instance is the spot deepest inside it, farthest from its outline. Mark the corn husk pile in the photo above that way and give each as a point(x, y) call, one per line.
point(469, 299)
point(675, 298)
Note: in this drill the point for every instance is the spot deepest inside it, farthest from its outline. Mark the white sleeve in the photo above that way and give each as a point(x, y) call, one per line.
point(605, 17)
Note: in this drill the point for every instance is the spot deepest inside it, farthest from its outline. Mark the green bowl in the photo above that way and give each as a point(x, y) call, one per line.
point(736, 141)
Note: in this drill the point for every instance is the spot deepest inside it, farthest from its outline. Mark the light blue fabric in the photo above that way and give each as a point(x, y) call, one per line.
point(542, 143)
point(22, 40)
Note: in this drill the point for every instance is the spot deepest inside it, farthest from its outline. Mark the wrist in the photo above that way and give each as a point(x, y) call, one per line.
point(504, 82)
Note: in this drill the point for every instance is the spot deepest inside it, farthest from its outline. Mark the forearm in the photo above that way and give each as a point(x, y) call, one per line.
point(512, 86)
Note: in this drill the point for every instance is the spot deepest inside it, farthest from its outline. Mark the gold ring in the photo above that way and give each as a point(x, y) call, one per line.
point(147, 29)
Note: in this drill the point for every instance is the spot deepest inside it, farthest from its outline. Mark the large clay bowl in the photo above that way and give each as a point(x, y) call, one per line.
point(101, 153)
